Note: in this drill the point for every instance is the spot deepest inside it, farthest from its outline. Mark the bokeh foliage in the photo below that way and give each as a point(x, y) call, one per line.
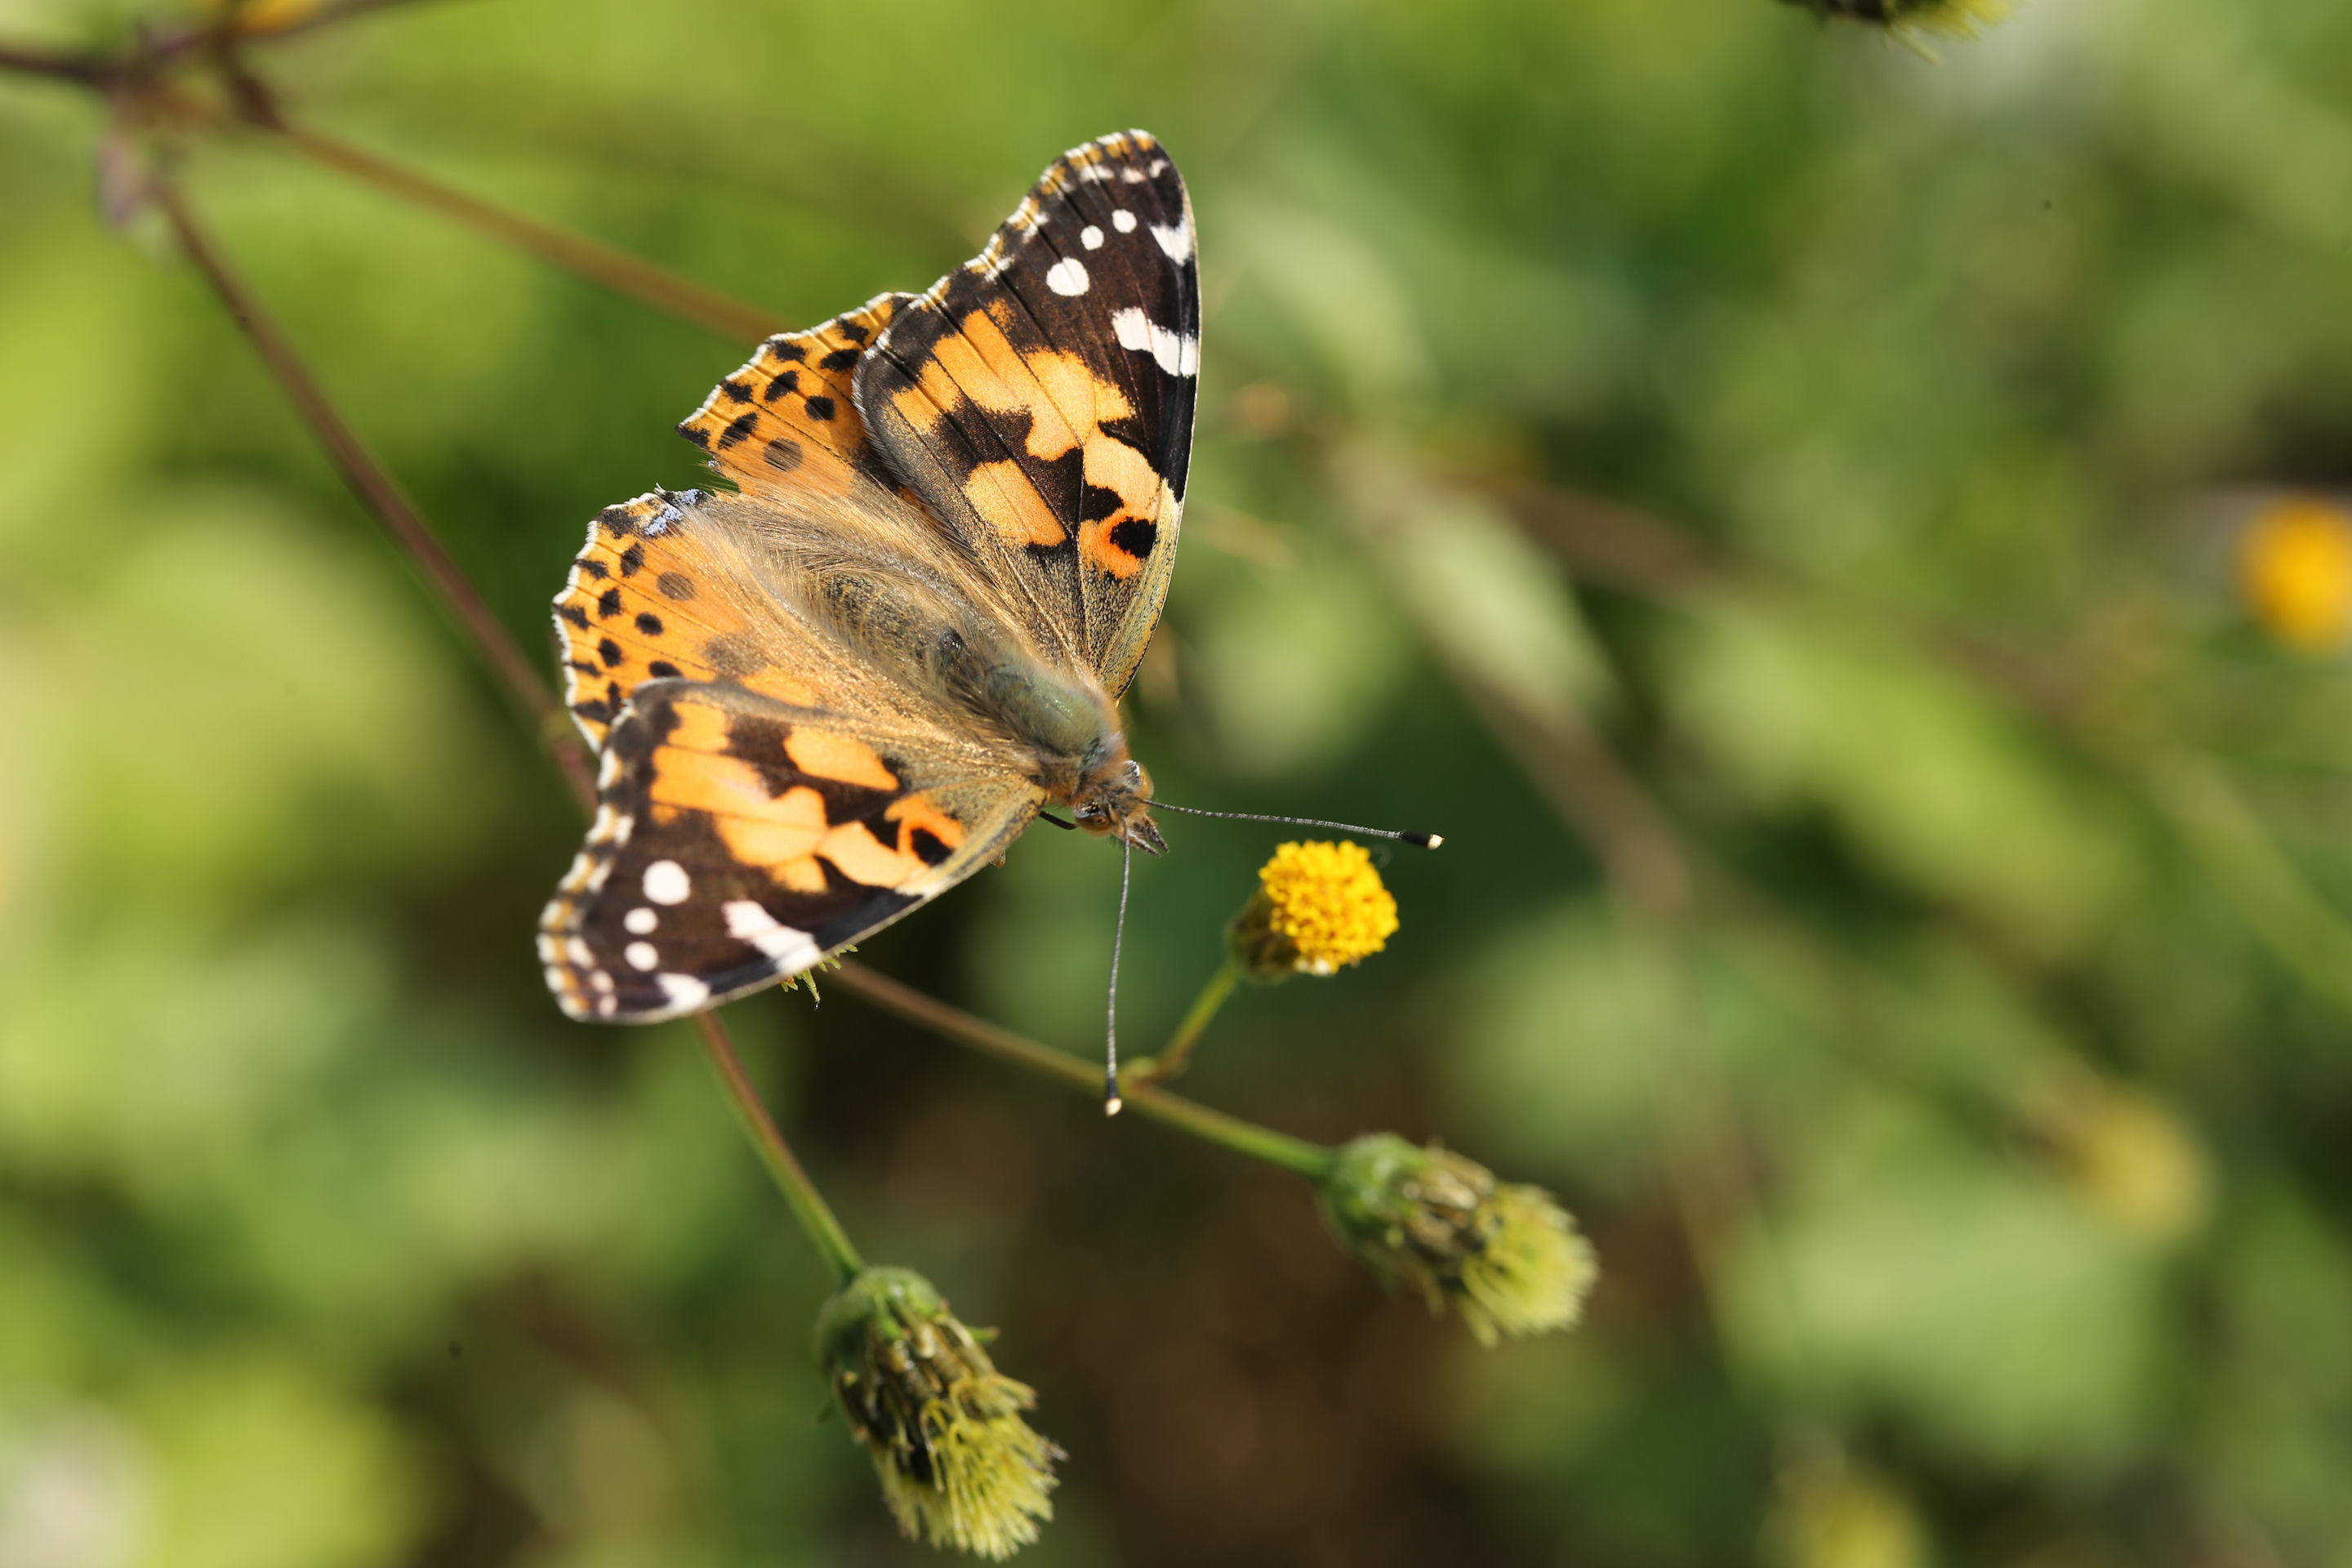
point(1963, 1130)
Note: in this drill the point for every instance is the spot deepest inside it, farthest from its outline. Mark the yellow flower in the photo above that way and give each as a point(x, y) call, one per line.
point(1318, 908)
point(958, 1466)
point(1509, 1258)
point(2295, 566)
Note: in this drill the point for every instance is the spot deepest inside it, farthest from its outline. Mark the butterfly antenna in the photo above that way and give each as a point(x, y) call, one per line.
point(1422, 840)
point(1111, 1101)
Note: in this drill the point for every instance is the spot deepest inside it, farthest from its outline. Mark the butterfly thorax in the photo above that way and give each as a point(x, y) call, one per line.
point(1079, 755)
point(1062, 719)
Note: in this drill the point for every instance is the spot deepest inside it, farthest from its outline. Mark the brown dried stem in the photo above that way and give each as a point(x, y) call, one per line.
point(626, 275)
point(516, 676)
point(532, 696)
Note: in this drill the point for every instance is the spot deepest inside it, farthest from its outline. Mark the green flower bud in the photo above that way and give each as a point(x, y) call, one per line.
point(958, 1466)
point(1509, 1258)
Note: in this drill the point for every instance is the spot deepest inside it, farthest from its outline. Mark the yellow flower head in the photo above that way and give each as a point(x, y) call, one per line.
point(957, 1464)
point(1319, 907)
point(2295, 566)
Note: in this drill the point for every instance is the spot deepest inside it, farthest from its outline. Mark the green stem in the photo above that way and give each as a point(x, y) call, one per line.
point(532, 696)
point(1294, 1155)
point(809, 1206)
point(1177, 1054)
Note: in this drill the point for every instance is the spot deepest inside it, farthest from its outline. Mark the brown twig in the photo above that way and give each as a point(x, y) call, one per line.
point(532, 696)
point(89, 71)
point(626, 275)
point(516, 676)
point(536, 703)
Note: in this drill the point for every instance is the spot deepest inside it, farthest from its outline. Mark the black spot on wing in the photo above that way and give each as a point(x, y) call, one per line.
point(1135, 535)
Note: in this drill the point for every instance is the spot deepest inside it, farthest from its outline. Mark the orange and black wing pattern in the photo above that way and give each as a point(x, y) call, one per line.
point(737, 840)
point(786, 423)
point(659, 595)
point(1038, 400)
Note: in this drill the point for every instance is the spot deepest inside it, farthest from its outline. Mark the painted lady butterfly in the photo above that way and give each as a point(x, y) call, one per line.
point(832, 695)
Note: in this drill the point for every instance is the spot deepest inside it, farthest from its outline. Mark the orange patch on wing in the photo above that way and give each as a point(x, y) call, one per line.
point(828, 754)
point(801, 875)
point(1003, 494)
point(976, 363)
point(863, 859)
point(919, 812)
point(700, 728)
point(1102, 552)
point(730, 787)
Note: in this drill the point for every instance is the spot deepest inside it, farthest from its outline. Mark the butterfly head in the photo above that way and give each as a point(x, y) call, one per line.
point(1114, 802)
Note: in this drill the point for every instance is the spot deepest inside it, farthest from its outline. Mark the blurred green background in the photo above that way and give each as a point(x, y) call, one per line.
point(1772, 498)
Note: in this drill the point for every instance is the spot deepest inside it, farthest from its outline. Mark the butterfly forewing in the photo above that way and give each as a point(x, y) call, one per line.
point(786, 425)
point(1039, 399)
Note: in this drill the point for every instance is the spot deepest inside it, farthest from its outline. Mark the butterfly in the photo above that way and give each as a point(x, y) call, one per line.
point(826, 696)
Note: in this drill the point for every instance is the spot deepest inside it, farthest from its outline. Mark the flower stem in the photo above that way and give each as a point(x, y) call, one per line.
point(809, 1206)
point(682, 298)
point(1177, 1054)
point(517, 675)
point(531, 695)
point(1295, 1154)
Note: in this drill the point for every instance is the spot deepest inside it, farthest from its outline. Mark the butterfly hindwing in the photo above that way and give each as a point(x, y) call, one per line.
point(739, 840)
point(1039, 399)
point(659, 594)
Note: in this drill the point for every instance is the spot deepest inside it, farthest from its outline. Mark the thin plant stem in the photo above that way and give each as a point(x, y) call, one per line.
point(516, 676)
point(1295, 1154)
point(1177, 1054)
point(808, 1205)
point(537, 700)
point(89, 71)
point(626, 275)
point(532, 696)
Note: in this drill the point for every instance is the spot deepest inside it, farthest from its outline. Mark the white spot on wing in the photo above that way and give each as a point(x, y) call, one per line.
point(1067, 276)
point(641, 955)
point(683, 990)
point(748, 920)
point(640, 921)
point(1177, 354)
point(1091, 237)
point(667, 883)
point(1123, 221)
point(1177, 241)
